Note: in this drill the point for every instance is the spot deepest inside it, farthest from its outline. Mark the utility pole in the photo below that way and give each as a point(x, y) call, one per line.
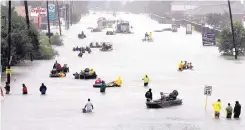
point(28, 22)
point(232, 30)
point(67, 15)
point(71, 12)
point(9, 42)
point(48, 22)
point(58, 10)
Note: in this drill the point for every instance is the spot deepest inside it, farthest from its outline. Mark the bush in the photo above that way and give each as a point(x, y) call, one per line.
point(56, 40)
point(46, 50)
point(226, 41)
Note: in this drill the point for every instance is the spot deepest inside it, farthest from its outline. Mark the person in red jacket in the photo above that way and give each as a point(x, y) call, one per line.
point(24, 89)
point(59, 67)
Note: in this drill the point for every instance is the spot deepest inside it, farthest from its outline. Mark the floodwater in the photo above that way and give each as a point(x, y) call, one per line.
point(124, 108)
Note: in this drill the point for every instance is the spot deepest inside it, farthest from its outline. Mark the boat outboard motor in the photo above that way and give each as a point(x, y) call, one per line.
point(173, 95)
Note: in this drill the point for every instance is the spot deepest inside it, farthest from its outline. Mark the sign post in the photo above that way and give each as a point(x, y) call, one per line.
point(207, 92)
point(51, 9)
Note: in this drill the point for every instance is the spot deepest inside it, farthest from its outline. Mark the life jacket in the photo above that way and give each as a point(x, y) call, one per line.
point(24, 90)
point(62, 75)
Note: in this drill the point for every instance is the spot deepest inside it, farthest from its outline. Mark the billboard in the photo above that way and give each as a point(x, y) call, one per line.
point(51, 9)
point(36, 11)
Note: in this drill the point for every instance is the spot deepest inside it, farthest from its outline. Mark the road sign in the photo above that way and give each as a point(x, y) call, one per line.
point(208, 90)
point(51, 9)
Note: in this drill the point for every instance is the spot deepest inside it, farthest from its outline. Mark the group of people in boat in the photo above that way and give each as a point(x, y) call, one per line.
point(82, 35)
point(185, 65)
point(148, 36)
point(103, 85)
point(59, 70)
point(171, 96)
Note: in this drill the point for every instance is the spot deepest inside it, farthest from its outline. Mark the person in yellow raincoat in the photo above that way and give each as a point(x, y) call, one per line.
point(150, 35)
point(146, 80)
point(217, 108)
point(181, 65)
point(91, 71)
point(62, 74)
point(118, 82)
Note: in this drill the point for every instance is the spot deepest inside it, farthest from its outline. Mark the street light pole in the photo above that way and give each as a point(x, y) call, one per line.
point(58, 11)
point(28, 23)
point(48, 23)
point(232, 30)
point(9, 41)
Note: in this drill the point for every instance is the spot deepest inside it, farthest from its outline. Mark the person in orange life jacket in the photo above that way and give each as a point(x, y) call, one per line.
point(24, 89)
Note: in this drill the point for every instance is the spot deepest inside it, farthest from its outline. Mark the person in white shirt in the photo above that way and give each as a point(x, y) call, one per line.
point(88, 107)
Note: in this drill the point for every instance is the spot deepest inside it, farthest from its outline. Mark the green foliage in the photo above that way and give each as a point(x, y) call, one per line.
point(218, 20)
point(23, 41)
point(46, 50)
point(56, 40)
point(226, 42)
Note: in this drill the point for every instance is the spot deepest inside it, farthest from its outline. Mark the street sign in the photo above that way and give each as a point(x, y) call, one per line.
point(208, 90)
point(51, 9)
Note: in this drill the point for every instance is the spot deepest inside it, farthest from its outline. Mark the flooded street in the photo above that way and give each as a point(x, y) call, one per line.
point(124, 108)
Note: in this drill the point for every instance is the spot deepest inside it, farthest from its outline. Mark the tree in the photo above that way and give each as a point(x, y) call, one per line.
point(217, 20)
point(226, 43)
point(23, 41)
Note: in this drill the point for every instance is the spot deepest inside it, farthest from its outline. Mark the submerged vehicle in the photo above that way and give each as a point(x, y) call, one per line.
point(97, 45)
point(188, 29)
point(110, 32)
point(159, 30)
point(208, 39)
point(123, 27)
point(174, 28)
point(167, 29)
point(170, 100)
point(96, 30)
